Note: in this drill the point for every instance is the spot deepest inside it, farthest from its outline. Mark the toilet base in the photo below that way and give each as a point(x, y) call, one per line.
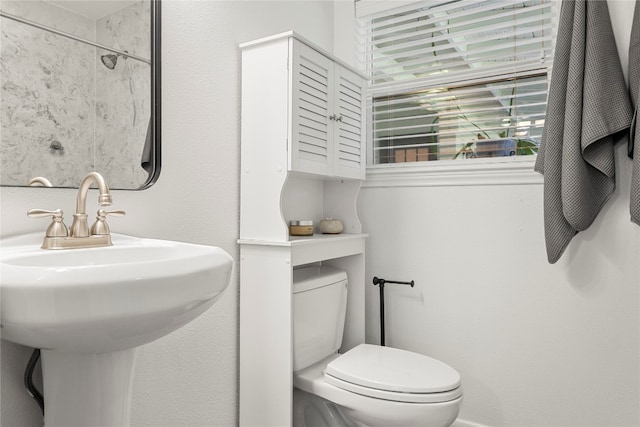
point(310, 410)
point(437, 415)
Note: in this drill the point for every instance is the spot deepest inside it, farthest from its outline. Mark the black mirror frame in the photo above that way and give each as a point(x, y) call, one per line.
point(156, 89)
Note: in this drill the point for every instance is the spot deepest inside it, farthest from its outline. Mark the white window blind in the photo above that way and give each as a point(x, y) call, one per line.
point(457, 79)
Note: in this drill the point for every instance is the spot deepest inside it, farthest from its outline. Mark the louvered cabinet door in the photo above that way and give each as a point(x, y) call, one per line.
point(349, 156)
point(311, 127)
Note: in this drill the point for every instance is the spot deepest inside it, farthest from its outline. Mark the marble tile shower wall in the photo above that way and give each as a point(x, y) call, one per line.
point(56, 89)
point(123, 104)
point(47, 94)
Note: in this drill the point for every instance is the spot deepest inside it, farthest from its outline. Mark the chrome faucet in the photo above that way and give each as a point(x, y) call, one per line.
point(80, 236)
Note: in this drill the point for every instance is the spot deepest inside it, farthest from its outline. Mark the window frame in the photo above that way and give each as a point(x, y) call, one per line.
point(507, 170)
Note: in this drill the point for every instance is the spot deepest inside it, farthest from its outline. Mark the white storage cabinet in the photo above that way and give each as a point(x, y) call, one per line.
point(302, 158)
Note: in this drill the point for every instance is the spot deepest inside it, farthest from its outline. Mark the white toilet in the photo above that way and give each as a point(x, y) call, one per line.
point(368, 385)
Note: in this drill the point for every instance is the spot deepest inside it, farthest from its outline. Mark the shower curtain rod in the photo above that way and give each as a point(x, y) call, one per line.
point(73, 37)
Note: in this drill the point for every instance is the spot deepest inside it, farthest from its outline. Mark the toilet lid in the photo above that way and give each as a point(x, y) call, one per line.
point(393, 370)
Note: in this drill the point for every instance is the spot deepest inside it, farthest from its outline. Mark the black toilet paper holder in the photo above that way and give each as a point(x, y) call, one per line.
point(380, 283)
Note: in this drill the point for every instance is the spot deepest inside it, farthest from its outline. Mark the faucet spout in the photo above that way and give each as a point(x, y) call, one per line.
point(104, 199)
point(80, 228)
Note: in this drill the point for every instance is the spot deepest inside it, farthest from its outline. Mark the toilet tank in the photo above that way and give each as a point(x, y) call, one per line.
point(319, 308)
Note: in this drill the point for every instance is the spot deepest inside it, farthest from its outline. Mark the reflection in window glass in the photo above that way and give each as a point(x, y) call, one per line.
point(494, 119)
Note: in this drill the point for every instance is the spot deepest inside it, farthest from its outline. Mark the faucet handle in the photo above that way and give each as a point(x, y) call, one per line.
point(115, 212)
point(100, 227)
point(57, 227)
point(41, 213)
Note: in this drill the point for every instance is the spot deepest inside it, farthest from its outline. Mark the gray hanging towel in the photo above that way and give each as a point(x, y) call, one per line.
point(588, 109)
point(634, 134)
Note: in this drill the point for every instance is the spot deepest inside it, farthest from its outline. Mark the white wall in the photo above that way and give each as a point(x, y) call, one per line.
point(536, 344)
point(188, 378)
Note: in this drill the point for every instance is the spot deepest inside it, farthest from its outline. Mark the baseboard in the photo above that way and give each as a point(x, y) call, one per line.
point(465, 423)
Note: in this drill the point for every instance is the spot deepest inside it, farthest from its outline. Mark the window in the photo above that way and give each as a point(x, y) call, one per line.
point(456, 80)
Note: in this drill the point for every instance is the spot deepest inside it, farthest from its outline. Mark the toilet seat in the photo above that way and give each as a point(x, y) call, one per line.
point(393, 374)
point(395, 396)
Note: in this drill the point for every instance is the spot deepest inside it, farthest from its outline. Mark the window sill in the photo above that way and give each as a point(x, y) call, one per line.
point(508, 171)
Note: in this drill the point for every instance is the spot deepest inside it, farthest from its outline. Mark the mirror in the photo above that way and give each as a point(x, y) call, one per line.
point(80, 91)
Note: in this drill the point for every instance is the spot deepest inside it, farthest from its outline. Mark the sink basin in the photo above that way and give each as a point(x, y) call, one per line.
point(105, 299)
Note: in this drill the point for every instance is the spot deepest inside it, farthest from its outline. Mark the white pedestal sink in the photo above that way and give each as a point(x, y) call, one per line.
point(88, 310)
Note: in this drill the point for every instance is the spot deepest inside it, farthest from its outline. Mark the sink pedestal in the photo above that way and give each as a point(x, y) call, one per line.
point(89, 390)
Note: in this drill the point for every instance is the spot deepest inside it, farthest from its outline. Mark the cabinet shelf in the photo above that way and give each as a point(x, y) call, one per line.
point(304, 240)
point(319, 247)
